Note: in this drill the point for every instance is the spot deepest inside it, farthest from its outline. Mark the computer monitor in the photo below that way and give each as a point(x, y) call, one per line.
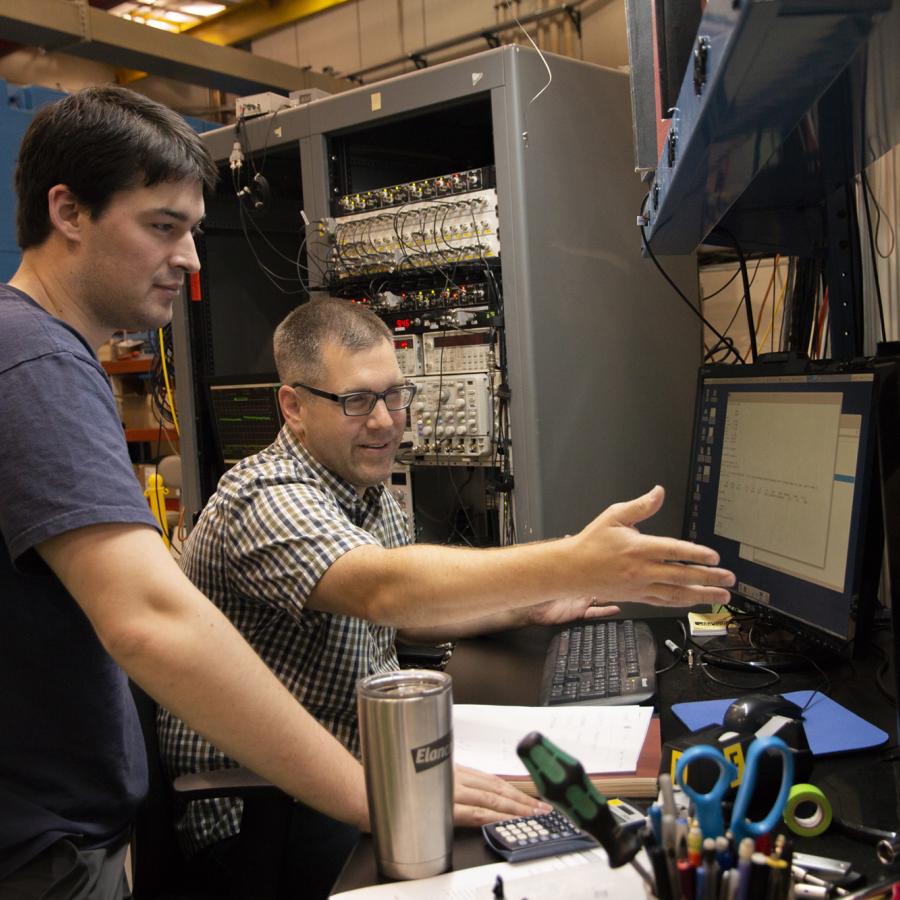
point(781, 485)
point(246, 418)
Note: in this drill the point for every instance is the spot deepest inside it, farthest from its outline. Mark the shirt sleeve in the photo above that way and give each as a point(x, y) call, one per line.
point(63, 458)
point(285, 539)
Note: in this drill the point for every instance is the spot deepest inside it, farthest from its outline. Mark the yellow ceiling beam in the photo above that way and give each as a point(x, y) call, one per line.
point(256, 18)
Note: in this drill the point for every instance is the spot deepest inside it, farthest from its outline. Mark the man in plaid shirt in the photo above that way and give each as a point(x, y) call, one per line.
point(307, 554)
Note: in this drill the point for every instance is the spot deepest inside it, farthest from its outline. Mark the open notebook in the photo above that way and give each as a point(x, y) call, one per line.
point(619, 747)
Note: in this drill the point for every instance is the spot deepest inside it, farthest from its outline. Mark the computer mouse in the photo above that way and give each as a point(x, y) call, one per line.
point(752, 711)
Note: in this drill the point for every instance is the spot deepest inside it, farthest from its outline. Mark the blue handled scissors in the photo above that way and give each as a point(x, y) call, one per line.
point(709, 805)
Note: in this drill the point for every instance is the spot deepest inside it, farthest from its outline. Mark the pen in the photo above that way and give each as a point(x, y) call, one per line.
point(687, 879)
point(784, 849)
point(732, 885)
point(655, 816)
point(694, 843)
point(745, 853)
point(681, 834)
point(711, 870)
point(759, 876)
point(724, 853)
point(667, 792)
point(724, 884)
point(660, 872)
point(668, 844)
point(779, 878)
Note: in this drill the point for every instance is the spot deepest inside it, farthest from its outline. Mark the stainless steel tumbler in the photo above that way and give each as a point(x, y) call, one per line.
point(407, 742)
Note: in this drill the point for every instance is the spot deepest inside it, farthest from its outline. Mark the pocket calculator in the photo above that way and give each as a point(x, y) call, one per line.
point(529, 837)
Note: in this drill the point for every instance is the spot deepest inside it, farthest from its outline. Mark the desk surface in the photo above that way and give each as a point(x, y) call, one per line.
point(864, 786)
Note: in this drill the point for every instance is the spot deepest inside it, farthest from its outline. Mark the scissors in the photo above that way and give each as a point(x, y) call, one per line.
point(709, 805)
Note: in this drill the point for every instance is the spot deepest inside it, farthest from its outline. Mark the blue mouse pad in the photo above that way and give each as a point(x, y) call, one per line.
point(830, 727)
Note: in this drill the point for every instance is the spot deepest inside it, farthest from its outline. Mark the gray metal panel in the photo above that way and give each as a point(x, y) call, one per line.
point(282, 127)
point(603, 380)
point(407, 93)
point(314, 166)
point(513, 203)
point(639, 24)
point(289, 124)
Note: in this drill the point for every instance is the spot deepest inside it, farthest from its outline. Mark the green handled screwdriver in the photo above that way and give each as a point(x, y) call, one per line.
point(561, 780)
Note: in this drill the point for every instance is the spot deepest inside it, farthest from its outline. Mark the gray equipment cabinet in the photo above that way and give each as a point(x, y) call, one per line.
point(601, 356)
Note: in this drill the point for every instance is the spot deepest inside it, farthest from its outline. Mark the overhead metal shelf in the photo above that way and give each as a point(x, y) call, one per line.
point(81, 30)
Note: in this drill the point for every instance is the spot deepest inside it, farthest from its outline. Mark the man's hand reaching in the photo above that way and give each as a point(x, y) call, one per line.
point(619, 563)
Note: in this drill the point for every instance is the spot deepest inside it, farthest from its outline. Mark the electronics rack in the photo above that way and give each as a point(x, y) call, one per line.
point(223, 333)
point(425, 257)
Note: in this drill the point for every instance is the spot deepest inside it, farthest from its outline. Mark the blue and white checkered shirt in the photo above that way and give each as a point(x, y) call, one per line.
point(275, 525)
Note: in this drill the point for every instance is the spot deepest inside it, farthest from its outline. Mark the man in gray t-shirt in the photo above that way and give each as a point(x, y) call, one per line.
point(54, 398)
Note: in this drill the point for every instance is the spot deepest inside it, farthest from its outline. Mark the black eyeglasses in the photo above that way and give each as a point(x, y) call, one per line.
point(361, 403)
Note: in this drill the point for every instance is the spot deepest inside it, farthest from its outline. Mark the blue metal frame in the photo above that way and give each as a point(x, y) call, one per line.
point(759, 68)
point(17, 108)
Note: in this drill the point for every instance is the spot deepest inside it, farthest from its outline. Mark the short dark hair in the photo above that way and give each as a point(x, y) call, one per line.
point(301, 335)
point(97, 142)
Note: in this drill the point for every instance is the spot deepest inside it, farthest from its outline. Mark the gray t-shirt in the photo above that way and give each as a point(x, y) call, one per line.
point(72, 759)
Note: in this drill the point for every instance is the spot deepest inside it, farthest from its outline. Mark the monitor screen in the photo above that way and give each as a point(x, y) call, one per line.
point(246, 419)
point(781, 469)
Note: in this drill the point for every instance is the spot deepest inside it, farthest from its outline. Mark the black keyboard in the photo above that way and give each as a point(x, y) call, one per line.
point(600, 663)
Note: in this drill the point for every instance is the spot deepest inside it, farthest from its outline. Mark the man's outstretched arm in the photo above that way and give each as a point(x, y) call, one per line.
point(426, 586)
